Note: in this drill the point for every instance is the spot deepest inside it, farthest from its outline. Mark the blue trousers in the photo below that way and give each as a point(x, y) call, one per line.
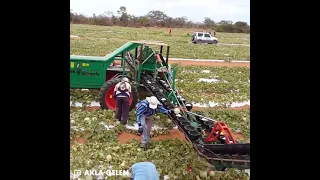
point(146, 123)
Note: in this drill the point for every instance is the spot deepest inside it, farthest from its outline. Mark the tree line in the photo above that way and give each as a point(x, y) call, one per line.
point(156, 18)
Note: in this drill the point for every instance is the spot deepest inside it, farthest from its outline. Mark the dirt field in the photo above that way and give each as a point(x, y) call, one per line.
point(210, 63)
point(173, 134)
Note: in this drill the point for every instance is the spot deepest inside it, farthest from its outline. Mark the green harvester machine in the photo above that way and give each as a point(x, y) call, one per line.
point(90, 72)
point(147, 69)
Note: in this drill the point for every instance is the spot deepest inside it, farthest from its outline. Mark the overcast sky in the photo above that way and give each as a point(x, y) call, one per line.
point(195, 10)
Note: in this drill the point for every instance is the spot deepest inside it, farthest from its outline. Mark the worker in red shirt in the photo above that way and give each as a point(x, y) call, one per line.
point(170, 31)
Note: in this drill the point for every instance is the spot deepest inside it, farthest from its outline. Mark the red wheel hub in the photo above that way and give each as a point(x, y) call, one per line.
point(110, 100)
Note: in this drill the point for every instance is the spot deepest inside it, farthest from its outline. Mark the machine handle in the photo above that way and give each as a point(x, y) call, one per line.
point(78, 68)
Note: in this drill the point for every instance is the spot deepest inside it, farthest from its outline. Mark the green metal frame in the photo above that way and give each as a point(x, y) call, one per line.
point(171, 95)
point(90, 71)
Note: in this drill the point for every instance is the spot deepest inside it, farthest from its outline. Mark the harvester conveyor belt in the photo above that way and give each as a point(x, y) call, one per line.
point(220, 155)
point(221, 160)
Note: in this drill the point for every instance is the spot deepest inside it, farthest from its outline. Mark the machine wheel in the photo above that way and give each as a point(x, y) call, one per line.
point(215, 42)
point(107, 100)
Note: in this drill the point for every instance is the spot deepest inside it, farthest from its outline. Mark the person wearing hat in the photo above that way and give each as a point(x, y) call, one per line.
point(144, 112)
point(144, 171)
point(122, 92)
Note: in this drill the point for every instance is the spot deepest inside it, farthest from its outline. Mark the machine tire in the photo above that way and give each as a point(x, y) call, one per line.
point(110, 84)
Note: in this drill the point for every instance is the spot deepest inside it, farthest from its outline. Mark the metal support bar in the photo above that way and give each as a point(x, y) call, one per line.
point(139, 74)
point(122, 57)
point(133, 65)
point(123, 65)
point(137, 71)
point(174, 73)
point(206, 118)
point(140, 57)
point(167, 55)
point(136, 53)
point(155, 72)
point(172, 94)
point(148, 58)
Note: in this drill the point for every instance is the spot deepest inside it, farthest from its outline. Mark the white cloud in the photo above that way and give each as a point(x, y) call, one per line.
point(195, 10)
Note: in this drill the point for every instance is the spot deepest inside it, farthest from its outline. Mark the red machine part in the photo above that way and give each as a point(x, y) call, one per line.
point(109, 98)
point(220, 127)
point(158, 58)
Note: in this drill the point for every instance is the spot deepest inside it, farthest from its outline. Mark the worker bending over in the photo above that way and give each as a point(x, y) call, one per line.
point(144, 112)
point(122, 92)
point(144, 171)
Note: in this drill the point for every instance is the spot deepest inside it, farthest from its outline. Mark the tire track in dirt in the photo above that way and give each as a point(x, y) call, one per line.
point(124, 137)
point(210, 63)
point(226, 44)
point(204, 63)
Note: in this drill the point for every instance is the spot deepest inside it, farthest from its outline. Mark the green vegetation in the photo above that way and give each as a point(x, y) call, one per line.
point(101, 149)
point(233, 85)
point(237, 120)
point(230, 84)
point(102, 40)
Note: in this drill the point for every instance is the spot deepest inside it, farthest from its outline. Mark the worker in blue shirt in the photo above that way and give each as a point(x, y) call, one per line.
point(144, 171)
point(144, 112)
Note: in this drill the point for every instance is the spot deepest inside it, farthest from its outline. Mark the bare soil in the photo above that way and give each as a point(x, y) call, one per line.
point(173, 134)
point(80, 140)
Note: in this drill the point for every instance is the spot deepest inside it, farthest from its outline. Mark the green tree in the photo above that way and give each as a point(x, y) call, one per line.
point(241, 27)
point(157, 17)
point(209, 23)
point(124, 17)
